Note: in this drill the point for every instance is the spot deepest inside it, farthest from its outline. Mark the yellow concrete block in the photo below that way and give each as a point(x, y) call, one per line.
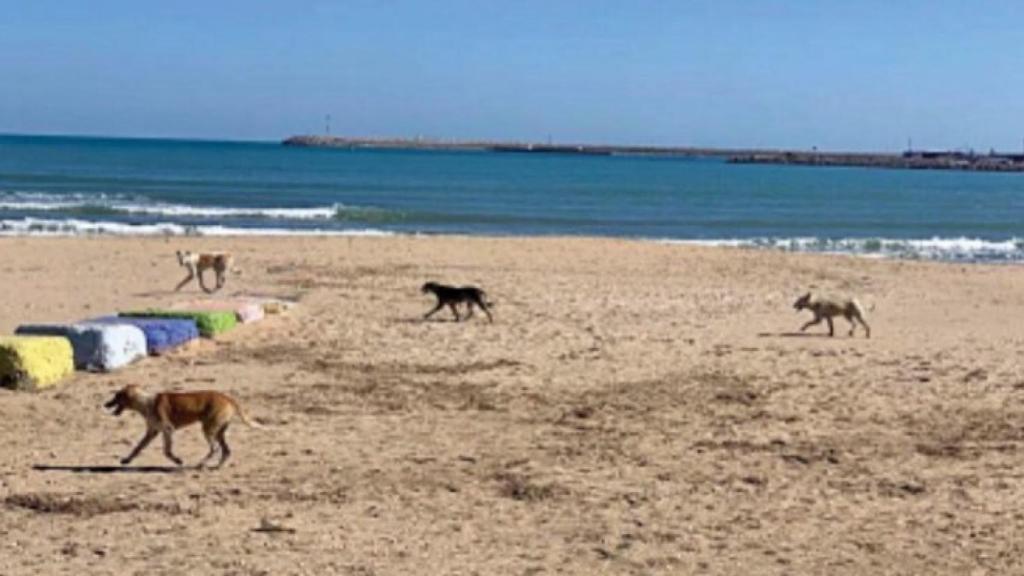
point(34, 362)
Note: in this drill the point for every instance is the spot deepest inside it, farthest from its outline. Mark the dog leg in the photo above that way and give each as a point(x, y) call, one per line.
point(225, 452)
point(815, 322)
point(431, 313)
point(211, 439)
point(867, 329)
point(150, 434)
point(202, 283)
point(209, 455)
point(831, 329)
point(221, 273)
point(168, 432)
point(853, 325)
point(187, 279)
point(455, 310)
point(487, 311)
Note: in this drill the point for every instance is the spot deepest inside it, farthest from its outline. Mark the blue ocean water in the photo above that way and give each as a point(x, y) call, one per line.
point(68, 185)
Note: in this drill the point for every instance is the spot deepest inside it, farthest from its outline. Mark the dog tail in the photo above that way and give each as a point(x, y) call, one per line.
point(245, 419)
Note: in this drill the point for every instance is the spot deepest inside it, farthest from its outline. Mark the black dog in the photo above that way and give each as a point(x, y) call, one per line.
point(451, 296)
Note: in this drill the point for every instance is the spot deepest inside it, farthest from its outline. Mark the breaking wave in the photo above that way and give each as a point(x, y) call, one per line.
point(43, 214)
point(72, 227)
point(947, 249)
point(101, 204)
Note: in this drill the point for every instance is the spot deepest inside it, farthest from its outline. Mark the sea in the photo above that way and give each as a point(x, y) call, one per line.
point(117, 186)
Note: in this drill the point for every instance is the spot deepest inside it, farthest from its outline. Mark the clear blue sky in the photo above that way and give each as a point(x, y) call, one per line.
point(864, 74)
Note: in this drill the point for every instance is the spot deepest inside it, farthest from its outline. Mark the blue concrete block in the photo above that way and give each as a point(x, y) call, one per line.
point(96, 346)
point(162, 334)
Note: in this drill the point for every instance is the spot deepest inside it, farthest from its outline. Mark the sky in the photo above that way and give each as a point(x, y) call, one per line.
point(836, 75)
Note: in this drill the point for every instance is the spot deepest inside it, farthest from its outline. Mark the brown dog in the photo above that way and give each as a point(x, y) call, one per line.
point(168, 411)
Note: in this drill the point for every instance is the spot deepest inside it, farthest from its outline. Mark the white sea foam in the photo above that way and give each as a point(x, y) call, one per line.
point(37, 202)
point(956, 249)
point(319, 213)
point(71, 227)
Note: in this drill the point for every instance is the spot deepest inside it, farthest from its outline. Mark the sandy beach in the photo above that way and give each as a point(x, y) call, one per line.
point(635, 408)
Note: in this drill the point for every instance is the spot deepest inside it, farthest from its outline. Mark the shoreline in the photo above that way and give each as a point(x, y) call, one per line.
point(960, 250)
point(933, 250)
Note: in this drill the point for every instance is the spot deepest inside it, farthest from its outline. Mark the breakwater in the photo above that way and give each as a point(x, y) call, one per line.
point(512, 147)
point(991, 162)
point(912, 160)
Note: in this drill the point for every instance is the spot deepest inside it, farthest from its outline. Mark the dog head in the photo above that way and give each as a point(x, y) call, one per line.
point(181, 257)
point(124, 398)
point(429, 287)
point(802, 302)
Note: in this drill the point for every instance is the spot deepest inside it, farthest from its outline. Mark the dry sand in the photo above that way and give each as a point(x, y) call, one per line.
point(635, 408)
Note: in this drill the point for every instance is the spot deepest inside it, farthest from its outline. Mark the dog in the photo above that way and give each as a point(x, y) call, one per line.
point(826, 309)
point(197, 263)
point(167, 411)
point(452, 296)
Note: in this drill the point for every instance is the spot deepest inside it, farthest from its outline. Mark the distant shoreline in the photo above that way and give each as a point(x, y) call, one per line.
point(307, 141)
point(911, 160)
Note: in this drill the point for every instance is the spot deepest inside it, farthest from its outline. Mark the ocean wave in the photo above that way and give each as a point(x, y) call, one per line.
point(72, 227)
point(100, 204)
point(961, 249)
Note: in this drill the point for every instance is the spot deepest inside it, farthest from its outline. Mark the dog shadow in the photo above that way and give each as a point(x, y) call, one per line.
point(158, 293)
point(793, 335)
point(422, 320)
point(111, 469)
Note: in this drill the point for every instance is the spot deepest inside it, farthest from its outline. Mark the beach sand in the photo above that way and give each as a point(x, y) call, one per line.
point(635, 408)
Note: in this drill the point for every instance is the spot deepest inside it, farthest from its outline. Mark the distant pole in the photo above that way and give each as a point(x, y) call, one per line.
point(910, 144)
point(327, 124)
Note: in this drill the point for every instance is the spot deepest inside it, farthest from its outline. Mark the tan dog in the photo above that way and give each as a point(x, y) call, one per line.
point(826, 309)
point(197, 263)
point(168, 411)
